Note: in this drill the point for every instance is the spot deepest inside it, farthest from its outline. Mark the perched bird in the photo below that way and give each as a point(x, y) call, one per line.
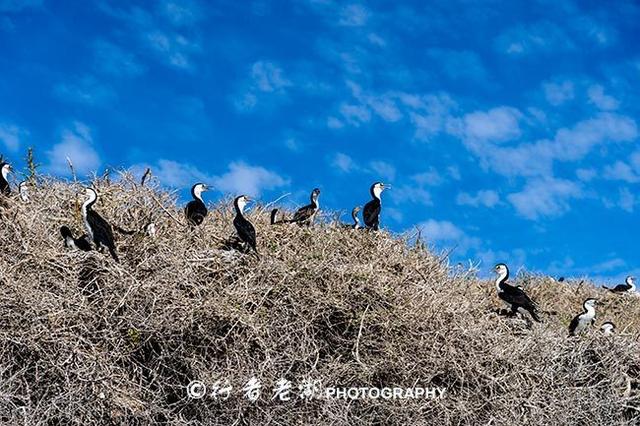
point(244, 228)
point(356, 221)
point(306, 214)
point(514, 297)
point(608, 328)
point(5, 168)
point(274, 217)
point(585, 319)
point(98, 229)
point(70, 242)
point(629, 286)
point(371, 211)
point(23, 190)
point(195, 210)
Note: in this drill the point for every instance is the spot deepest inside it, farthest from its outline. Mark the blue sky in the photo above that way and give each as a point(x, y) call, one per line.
point(509, 130)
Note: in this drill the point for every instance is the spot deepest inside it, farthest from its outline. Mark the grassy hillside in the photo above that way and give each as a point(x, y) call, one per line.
point(84, 340)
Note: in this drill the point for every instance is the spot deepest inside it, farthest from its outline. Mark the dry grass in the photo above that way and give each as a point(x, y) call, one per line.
point(86, 341)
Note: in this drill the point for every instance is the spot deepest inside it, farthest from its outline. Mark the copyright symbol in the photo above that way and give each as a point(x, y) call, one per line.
point(196, 389)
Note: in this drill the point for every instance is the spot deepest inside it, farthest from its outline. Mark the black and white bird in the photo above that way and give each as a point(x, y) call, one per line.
point(274, 217)
point(98, 229)
point(5, 168)
point(196, 210)
point(354, 217)
point(23, 190)
point(305, 215)
point(245, 230)
point(371, 211)
point(629, 286)
point(70, 242)
point(608, 328)
point(581, 322)
point(514, 297)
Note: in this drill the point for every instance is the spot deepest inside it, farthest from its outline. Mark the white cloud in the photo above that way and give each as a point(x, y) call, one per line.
point(266, 79)
point(386, 171)
point(343, 162)
point(18, 5)
point(11, 136)
point(445, 233)
point(174, 48)
point(243, 178)
point(586, 175)
point(620, 171)
point(430, 177)
point(182, 13)
point(486, 198)
point(558, 93)
point(76, 145)
point(627, 200)
point(497, 125)
point(542, 36)
point(547, 197)
point(600, 99)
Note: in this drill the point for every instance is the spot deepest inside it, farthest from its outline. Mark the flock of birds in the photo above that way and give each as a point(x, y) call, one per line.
point(100, 233)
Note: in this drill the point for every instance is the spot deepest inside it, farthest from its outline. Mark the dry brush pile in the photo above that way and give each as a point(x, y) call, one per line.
point(87, 341)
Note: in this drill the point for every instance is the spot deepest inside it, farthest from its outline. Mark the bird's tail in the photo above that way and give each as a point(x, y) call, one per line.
point(534, 315)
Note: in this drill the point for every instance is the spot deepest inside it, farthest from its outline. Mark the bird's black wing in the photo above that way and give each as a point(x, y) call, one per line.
point(574, 324)
point(245, 230)
point(371, 214)
point(620, 288)
point(195, 211)
point(83, 243)
point(304, 213)
point(516, 296)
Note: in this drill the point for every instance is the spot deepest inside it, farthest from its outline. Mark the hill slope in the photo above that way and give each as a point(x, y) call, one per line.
point(87, 341)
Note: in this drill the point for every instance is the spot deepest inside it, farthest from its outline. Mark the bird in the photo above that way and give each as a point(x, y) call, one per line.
point(5, 168)
point(244, 228)
point(608, 328)
point(356, 221)
point(585, 319)
point(514, 297)
point(98, 229)
point(306, 214)
point(195, 210)
point(70, 242)
point(629, 286)
point(274, 217)
point(23, 190)
point(371, 211)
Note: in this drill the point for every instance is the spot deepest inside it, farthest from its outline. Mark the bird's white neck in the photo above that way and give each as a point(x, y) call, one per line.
point(241, 205)
point(502, 275)
point(631, 282)
point(315, 201)
point(377, 192)
point(5, 172)
point(92, 198)
point(197, 192)
point(590, 311)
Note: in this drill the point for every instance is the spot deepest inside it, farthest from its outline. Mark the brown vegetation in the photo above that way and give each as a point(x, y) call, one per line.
point(86, 341)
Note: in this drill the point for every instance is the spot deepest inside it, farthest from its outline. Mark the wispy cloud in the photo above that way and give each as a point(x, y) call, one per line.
point(266, 81)
point(445, 234)
point(600, 99)
point(76, 144)
point(243, 178)
point(486, 198)
point(114, 60)
point(557, 93)
point(544, 198)
point(12, 135)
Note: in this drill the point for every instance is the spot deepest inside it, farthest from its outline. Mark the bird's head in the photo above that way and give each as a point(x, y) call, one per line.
point(608, 326)
point(198, 189)
point(315, 194)
point(631, 280)
point(590, 303)
point(6, 168)
point(241, 202)
point(377, 188)
point(356, 210)
point(501, 269)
